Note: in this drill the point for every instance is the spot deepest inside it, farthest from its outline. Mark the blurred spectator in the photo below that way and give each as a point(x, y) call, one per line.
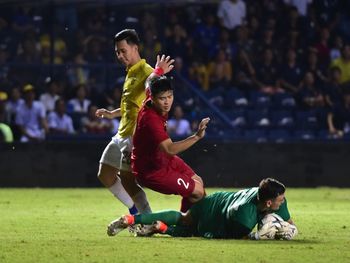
point(327, 12)
point(336, 48)
point(149, 23)
point(301, 5)
point(150, 47)
point(92, 124)
point(58, 121)
point(66, 15)
point(198, 73)
point(113, 97)
point(28, 51)
point(243, 41)
point(290, 73)
point(78, 73)
point(322, 46)
point(31, 117)
point(318, 70)
point(6, 134)
point(231, 13)
point(224, 42)
point(267, 42)
point(294, 21)
point(266, 73)
point(333, 89)
point(311, 96)
point(4, 114)
point(343, 63)
point(14, 103)
point(220, 71)
point(178, 126)
point(338, 119)
point(254, 27)
point(244, 71)
point(94, 50)
point(206, 33)
point(49, 98)
point(176, 44)
point(80, 103)
point(95, 19)
point(22, 20)
point(59, 45)
point(174, 17)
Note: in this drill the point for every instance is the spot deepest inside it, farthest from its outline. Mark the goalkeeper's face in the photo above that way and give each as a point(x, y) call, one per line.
point(275, 203)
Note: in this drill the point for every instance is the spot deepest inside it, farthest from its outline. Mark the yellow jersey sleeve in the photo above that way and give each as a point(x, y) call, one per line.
point(133, 96)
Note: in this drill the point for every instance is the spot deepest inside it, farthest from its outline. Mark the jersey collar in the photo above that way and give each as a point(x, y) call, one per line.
point(136, 66)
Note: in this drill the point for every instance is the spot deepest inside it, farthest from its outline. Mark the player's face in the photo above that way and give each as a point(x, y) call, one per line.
point(163, 101)
point(276, 202)
point(126, 54)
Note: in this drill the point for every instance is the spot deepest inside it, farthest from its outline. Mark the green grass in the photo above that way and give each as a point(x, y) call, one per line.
point(69, 225)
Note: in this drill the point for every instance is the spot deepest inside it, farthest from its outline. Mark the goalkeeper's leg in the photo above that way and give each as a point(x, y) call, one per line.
point(169, 217)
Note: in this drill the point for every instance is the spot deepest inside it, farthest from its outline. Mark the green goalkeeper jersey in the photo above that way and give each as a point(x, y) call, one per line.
point(230, 214)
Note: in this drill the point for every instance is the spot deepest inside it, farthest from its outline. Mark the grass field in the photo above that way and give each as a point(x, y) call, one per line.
point(69, 225)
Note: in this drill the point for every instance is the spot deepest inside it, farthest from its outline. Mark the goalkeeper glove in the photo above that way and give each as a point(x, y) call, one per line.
point(267, 231)
point(286, 231)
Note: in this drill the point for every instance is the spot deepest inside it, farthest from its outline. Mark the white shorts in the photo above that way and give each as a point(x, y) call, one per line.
point(118, 153)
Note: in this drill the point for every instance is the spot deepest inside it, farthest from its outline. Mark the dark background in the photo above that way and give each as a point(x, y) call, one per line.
point(69, 164)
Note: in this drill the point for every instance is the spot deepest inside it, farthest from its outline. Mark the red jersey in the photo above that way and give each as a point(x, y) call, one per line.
point(149, 133)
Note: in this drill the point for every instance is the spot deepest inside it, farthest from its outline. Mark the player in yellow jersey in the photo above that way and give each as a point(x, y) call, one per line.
point(115, 171)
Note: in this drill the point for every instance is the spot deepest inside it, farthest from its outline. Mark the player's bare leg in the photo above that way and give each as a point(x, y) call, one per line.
point(197, 194)
point(108, 176)
point(135, 191)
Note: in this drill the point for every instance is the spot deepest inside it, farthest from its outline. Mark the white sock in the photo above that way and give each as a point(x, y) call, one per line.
point(120, 193)
point(141, 202)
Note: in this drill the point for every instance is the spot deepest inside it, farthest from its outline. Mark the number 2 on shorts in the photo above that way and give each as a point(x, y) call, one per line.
point(180, 182)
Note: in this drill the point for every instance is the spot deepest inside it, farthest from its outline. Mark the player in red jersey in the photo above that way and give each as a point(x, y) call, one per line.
point(154, 160)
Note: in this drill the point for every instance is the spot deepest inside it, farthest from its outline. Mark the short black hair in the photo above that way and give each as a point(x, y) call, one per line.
point(129, 35)
point(270, 188)
point(160, 84)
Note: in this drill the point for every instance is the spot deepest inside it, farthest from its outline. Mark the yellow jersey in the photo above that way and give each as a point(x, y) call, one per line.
point(133, 96)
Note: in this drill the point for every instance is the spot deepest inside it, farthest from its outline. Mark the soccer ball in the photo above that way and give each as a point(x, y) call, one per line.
point(272, 226)
point(269, 226)
point(273, 219)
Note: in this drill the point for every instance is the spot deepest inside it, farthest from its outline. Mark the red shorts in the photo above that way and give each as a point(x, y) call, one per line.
point(174, 179)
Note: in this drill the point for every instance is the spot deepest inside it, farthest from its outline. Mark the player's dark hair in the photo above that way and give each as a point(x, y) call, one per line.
point(270, 188)
point(160, 84)
point(129, 35)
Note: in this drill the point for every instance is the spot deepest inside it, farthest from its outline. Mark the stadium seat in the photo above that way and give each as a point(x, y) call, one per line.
point(255, 135)
point(215, 96)
point(346, 136)
point(304, 135)
point(237, 117)
point(306, 120)
point(283, 101)
point(234, 98)
point(279, 135)
point(282, 118)
point(259, 100)
point(258, 118)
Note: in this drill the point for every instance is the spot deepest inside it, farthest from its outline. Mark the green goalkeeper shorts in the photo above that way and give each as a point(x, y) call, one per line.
point(208, 216)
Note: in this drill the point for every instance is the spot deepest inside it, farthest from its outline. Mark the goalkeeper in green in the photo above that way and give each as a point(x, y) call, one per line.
point(221, 215)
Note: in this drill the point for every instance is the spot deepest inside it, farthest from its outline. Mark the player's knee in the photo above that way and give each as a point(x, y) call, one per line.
point(197, 194)
point(107, 179)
